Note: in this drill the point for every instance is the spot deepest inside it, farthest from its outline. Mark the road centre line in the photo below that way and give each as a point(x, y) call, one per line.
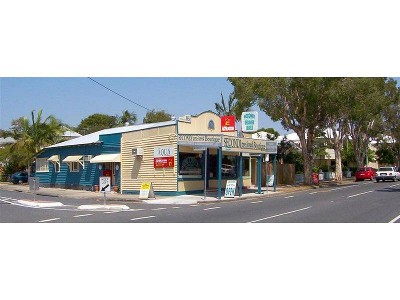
point(143, 218)
point(194, 205)
point(341, 188)
point(359, 194)
point(160, 208)
point(78, 216)
point(395, 219)
point(313, 193)
point(176, 207)
point(49, 220)
point(254, 202)
point(289, 197)
point(110, 212)
point(136, 209)
point(286, 213)
point(210, 208)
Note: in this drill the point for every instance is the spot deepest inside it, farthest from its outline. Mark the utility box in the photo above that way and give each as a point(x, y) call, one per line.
point(137, 151)
point(33, 183)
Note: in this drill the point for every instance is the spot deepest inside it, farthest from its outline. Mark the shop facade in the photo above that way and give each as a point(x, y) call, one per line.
point(185, 157)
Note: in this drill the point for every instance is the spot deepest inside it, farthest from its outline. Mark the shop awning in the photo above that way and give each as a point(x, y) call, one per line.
point(104, 158)
point(73, 158)
point(54, 158)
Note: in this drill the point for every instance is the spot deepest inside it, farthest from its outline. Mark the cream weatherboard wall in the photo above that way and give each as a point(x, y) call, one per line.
point(137, 169)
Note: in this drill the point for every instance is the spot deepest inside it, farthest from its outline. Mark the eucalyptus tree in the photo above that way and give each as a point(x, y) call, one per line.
point(366, 96)
point(155, 116)
point(337, 108)
point(390, 125)
point(295, 101)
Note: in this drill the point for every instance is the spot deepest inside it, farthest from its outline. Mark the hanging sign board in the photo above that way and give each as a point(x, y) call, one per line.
point(228, 123)
point(146, 190)
point(230, 189)
point(105, 184)
point(250, 121)
point(164, 162)
point(271, 147)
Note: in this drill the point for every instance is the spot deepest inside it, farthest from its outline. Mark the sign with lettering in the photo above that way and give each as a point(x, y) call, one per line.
point(164, 162)
point(271, 147)
point(250, 121)
point(243, 145)
point(228, 124)
point(230, 189)
point(146, 191)
point(207, 140)
point(163, 151)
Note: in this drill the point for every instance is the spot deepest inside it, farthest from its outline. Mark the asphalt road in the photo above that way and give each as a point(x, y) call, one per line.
point(360, 202)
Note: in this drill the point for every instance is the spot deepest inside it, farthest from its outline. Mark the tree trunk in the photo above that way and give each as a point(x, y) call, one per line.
point(338, 164)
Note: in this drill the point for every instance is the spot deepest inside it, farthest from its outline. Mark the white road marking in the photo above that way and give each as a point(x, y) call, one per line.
point(143, 218)
point(160, 208)
point(395, 219)
point(341, 188)
point(313, 193)
point(49, 220)
point(359, 194)
point(256, 202)
point(136, 209)
point(289, 197)
point(78, 216)
point(286, 213)
point(110, 212)
point(394, 185)
point(176, 207)
point(210, 208)
point(194, 205)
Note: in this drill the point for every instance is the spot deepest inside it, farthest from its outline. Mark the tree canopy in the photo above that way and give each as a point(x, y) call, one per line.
point(154, 116)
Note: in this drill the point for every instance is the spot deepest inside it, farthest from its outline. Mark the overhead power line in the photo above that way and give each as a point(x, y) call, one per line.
point(119, 94)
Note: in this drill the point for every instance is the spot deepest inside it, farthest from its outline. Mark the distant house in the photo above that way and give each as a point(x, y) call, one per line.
point(6, 141)
point(69, 134)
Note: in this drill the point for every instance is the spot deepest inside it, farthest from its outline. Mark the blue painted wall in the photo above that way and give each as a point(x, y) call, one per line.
point(88, 176)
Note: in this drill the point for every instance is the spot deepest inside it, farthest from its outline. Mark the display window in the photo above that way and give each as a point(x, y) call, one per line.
point(190, 165)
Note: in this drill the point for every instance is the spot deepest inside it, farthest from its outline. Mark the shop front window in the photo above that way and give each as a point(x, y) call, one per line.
point(189, 164)
point(228, 168)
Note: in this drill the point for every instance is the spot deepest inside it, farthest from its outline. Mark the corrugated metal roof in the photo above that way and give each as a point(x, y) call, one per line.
point(95, 136)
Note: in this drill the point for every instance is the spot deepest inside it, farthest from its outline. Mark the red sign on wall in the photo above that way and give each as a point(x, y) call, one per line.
point(228, 123)
point(164, 162)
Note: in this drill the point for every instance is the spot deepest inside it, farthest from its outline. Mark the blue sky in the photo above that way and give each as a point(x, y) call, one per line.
point(73, 98)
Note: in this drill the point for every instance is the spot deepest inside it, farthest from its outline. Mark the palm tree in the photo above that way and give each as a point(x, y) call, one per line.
point(127, 117)
point(223, 110)
point(32, 137)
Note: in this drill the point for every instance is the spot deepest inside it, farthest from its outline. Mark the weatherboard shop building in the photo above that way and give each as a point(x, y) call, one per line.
point(172, 155)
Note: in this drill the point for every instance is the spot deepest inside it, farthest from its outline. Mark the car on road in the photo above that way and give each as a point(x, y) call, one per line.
point(19, 177)
point(365, 173)
point(387, 173)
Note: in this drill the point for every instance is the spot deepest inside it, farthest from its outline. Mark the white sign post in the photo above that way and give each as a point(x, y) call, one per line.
point(230, 189)
point(105, 186)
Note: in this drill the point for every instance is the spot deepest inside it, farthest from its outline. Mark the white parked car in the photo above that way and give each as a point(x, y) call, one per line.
point(387, 173)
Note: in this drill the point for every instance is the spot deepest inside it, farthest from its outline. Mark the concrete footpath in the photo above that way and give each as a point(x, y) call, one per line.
point(182, 199)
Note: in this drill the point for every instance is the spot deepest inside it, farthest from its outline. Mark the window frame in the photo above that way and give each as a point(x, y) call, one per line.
point(44, 163)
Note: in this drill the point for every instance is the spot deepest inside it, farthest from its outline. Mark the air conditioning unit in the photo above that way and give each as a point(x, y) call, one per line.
point(137, 151)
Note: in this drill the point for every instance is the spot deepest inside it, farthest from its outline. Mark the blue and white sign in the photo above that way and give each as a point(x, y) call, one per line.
point(230, 189)
point(250, 121)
